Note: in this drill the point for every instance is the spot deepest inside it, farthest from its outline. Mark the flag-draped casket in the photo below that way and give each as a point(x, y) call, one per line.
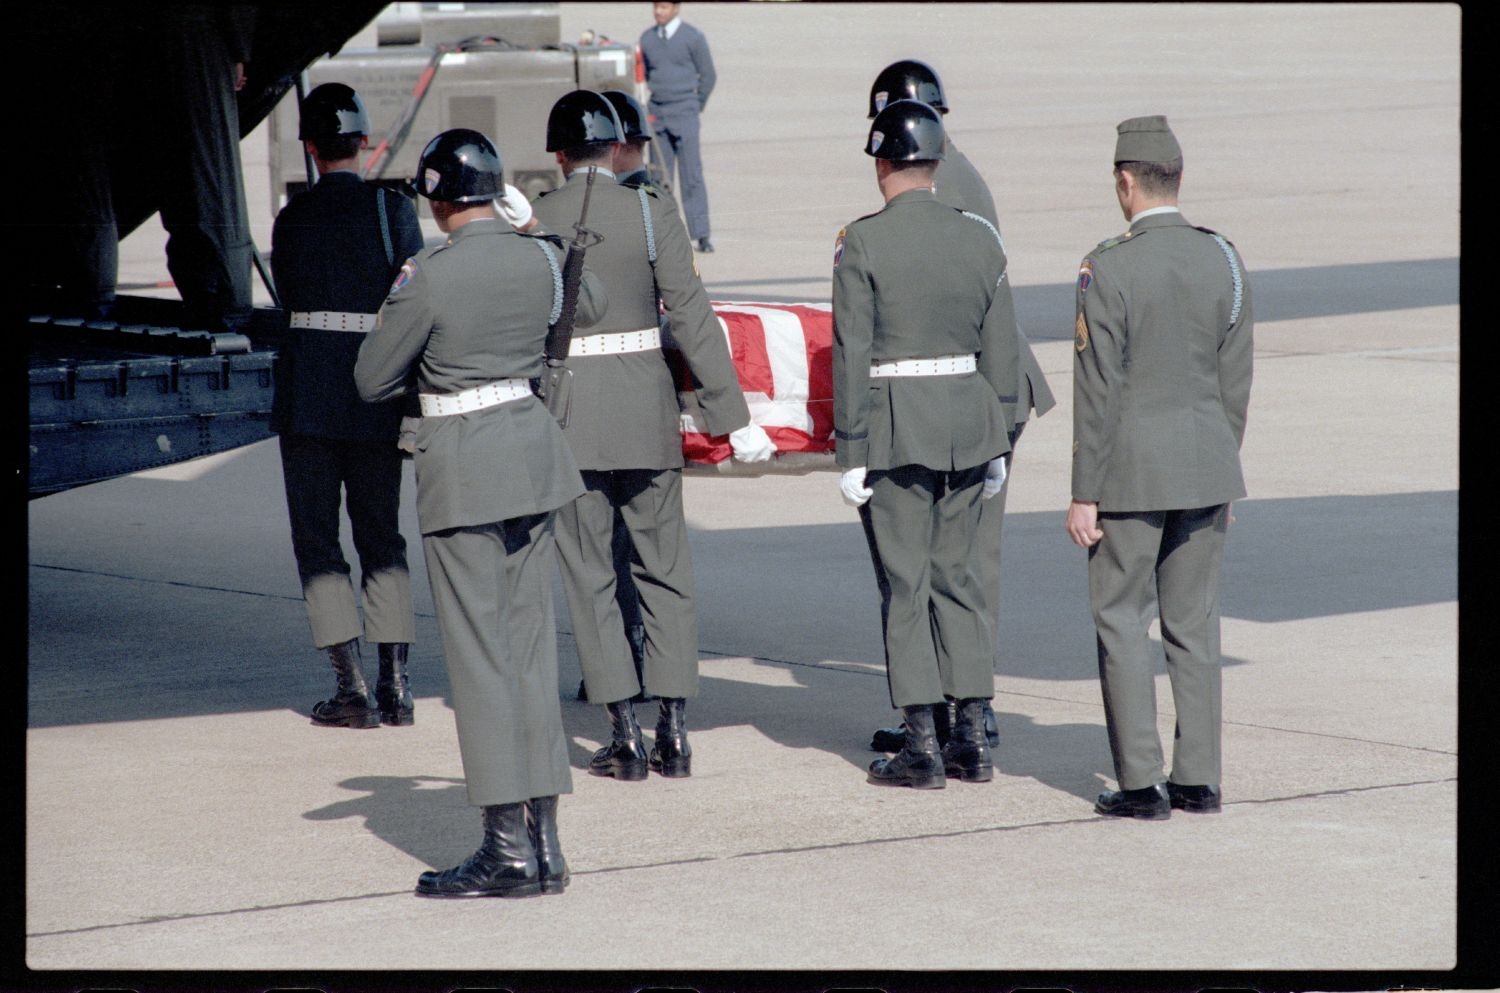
point(783, 353)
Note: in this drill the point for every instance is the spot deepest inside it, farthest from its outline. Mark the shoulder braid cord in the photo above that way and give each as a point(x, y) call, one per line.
point(1239, 278)
point(557, 280)
point(993, 230)
point(650, 229)
point(650, 240)
point(385, 227)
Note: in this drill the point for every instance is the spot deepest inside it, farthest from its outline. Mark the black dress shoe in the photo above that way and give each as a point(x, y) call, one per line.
point(704, 245)
point(1195, 799)
point(1149, 803)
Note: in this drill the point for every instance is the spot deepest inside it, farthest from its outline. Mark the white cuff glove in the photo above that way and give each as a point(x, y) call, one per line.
point(407, 439)
point(852, 484)
point(752, 444)
point(994, 478)
point(513, 207)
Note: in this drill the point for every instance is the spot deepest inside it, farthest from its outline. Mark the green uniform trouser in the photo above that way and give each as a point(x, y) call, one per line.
point(649, 501)
point(922, 524)
point(987, 557)
point(321, 475)
point(492, 587)
point(1174, 557)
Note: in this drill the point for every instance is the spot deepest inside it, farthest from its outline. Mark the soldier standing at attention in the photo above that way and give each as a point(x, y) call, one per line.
point(625, 435)
point(1161, 388)
point(961, 186)
point(335, 250)
point(924, 355)
point(680, 72)
point(467, 321)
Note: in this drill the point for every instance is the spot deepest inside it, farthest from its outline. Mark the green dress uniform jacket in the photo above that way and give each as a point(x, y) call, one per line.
point(1161, 389)
point(922, 280)
point(1162, 376)
point(941, 290)
point(468, 313)
point(624, 410)
point(624, 428)
point(463, 314)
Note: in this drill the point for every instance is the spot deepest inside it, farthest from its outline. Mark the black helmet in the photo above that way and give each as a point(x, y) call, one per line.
point(330, 110)
point(906, 131)
point(632, 115)
point(583, 117)
point(907, 80)
point(460, 166)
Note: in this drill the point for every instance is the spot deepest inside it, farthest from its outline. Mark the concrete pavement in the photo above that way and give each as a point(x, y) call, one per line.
point(181, 813)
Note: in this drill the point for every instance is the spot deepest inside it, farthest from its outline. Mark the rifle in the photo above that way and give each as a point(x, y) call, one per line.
point(557, 379)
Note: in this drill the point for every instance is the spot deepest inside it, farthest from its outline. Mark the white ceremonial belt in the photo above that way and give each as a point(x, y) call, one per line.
point(333, 320)
point(474, 398)
point(942, 365)
point(644, 340)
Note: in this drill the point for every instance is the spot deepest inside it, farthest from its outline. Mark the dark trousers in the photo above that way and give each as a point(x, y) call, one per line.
point(319, 474)
point(1172, 557)
point(492, 590)
point(921, 525)
point(649, 502)
point(677, 144)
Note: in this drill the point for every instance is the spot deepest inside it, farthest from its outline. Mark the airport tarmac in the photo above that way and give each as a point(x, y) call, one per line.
point(183, 815)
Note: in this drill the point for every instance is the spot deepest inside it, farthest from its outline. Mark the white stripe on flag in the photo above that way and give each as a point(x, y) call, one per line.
point(786, 347)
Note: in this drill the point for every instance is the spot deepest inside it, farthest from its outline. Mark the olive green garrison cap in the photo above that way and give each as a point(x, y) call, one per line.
point(1146, 139)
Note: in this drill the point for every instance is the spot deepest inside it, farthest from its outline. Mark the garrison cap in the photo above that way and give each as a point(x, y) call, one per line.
point(1146, 139)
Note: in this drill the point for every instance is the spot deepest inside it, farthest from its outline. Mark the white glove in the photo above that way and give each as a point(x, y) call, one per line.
point(994, 478)
point(752, 444)
point(407, 439)
point(513, 207)
point(852, 483)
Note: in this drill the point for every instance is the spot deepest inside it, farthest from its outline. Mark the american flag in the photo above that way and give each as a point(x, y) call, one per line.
point(783, 353)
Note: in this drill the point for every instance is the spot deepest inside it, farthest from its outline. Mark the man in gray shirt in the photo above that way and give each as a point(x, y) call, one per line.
point(680, 72)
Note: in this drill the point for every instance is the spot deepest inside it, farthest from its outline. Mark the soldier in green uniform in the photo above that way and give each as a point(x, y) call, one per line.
point(624, 431)
point(961, 186)
point(1161, 388)
point(467, 321)
point(925, 365)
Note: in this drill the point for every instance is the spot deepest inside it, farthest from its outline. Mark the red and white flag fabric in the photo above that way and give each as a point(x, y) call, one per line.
point(783, 354)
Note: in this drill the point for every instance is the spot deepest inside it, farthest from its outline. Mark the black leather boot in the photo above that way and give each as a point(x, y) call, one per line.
point(991, 726)
point(504, 865)
point(393, 688)
point(919, 763)
point(350, 706)
point(671, 755)
point(552, 868)
point(967, 753)
point(625, 755)
point(636, 635)
point(894, 739)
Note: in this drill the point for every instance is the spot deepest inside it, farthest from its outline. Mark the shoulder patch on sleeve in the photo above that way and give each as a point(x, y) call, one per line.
point(408, 270)
point(1085, 275)
point(838, 247)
